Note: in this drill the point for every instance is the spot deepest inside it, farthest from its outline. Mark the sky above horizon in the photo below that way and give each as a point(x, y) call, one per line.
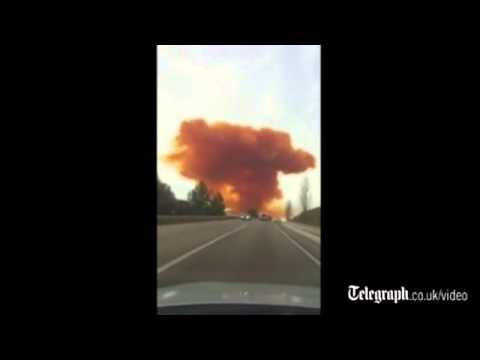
point(256, 85)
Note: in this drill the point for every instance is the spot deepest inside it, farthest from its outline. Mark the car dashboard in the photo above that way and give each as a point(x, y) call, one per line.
point(236, 309)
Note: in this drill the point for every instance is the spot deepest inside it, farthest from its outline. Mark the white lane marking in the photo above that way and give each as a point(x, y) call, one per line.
point(308, 228)
point(197, 249)
point(310, 256)
point(303, 232)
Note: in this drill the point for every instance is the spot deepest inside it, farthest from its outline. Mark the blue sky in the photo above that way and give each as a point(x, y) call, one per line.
point(275, 86)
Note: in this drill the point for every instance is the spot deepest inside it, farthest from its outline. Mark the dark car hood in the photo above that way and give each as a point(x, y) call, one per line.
point(238, 293)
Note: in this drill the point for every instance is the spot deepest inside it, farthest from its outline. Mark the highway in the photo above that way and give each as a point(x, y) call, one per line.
point(238, 251)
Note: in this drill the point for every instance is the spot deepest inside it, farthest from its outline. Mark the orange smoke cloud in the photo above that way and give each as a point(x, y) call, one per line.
point(240, 162)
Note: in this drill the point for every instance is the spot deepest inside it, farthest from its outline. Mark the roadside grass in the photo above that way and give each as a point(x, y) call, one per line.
point(179, 219)
point(310, 217)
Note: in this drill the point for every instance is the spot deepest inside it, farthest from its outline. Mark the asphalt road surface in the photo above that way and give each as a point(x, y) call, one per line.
point(237, 251)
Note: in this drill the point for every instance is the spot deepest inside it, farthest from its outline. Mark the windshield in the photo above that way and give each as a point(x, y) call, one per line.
point(238, 175)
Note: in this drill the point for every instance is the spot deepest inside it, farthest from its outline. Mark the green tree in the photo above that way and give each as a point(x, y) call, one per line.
point(200, 199)
point(218, 205)
point(165, 199)
point(288, 210)
point(305, 195)
point(183, 207)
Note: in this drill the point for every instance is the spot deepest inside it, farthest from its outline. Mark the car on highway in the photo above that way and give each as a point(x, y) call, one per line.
point(245, 217)
point(265, 217)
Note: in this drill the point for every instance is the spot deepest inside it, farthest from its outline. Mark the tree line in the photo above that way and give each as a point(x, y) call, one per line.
point(200, 201)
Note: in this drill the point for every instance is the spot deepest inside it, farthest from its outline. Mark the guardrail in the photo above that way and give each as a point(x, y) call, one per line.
point(179, 219)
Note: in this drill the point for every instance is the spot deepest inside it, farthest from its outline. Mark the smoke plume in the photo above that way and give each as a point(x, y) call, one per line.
point(240, 162)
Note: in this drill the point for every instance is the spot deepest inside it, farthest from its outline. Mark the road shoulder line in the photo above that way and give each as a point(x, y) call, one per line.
point(305, 233)
point(197, 249)
point(299, 247)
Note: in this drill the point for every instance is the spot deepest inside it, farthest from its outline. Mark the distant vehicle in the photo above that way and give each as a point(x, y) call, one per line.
point(245, 217)
point(265, 217)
